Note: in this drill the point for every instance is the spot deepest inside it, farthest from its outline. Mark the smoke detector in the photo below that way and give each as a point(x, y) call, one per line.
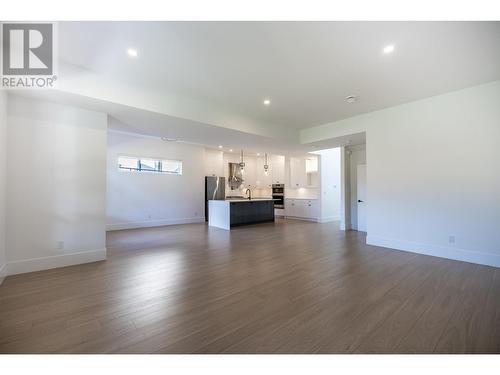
point(351, 99)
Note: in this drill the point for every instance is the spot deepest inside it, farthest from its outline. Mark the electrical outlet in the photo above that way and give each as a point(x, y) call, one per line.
point(149, 217)
point(60, 245)
point(451, 239)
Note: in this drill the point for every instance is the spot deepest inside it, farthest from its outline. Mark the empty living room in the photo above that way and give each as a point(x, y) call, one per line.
point(261, 188)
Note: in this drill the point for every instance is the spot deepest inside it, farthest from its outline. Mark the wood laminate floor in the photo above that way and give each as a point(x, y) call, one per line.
point(287, 287)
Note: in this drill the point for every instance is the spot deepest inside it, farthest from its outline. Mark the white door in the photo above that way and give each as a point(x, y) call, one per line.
point(361, 195)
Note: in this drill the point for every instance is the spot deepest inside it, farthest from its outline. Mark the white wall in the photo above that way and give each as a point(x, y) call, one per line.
point(357, 156)
point(214, 164)
point(137, 200)
point(3, 167)
point(330, 184)
point(433, 173)
point(55, 185)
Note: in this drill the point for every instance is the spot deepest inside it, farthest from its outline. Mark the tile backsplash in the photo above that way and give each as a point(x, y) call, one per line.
point(309, 193)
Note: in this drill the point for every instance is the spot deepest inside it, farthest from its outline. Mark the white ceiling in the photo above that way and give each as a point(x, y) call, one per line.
point(134, 120)
point(305, 68)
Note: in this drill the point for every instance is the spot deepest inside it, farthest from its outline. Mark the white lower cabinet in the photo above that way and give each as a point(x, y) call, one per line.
point(301, 208)
point(313, 209)
point(290, 207)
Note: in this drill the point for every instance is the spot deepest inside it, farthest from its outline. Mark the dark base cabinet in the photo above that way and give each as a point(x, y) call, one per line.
point(251, 212)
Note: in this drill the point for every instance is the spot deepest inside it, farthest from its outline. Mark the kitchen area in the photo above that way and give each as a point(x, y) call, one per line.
point(244, 188)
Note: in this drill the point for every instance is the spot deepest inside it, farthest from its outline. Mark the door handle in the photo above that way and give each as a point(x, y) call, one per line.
point(360, 201)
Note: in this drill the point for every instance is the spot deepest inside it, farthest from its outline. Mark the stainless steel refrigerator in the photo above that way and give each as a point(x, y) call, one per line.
point(215, 189)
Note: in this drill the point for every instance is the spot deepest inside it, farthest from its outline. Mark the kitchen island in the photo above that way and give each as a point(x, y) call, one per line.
point(230, 213)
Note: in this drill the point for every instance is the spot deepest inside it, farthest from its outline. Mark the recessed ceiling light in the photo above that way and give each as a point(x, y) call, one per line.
point(230, 150)
point(388, 49)
point(258, 153)
point(220, 146)
point(132, 52)
point(351, 99)
point(267, 102)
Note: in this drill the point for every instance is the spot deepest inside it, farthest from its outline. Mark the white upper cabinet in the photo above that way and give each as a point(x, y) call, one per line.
point(262, 180)
point(298, 176)
point(277, 166)
point(303, 172)
point(312, 171)
point(249, 173)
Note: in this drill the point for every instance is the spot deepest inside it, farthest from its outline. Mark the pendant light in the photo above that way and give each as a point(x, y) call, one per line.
point(266, 167)
point(242, 162)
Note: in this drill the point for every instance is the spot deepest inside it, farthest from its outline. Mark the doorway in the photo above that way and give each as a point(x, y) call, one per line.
point(354, 157)
point(361, 197)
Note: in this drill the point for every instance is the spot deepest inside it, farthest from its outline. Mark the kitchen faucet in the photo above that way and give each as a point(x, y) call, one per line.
point(249, 192)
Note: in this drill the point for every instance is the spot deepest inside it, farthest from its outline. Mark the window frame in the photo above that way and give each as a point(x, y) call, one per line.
point(158, 165)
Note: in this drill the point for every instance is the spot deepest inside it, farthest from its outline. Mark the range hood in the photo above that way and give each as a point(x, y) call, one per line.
point(235, 177)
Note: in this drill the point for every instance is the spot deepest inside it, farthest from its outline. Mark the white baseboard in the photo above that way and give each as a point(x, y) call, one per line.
point(329, 219)
point(3, 273)
point(313, 219)
point(153, 223)
point(55, 261)
point(463, 255)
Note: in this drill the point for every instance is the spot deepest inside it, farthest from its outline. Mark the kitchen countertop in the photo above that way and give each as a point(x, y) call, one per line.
point(249, 200)
point(305, 199)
